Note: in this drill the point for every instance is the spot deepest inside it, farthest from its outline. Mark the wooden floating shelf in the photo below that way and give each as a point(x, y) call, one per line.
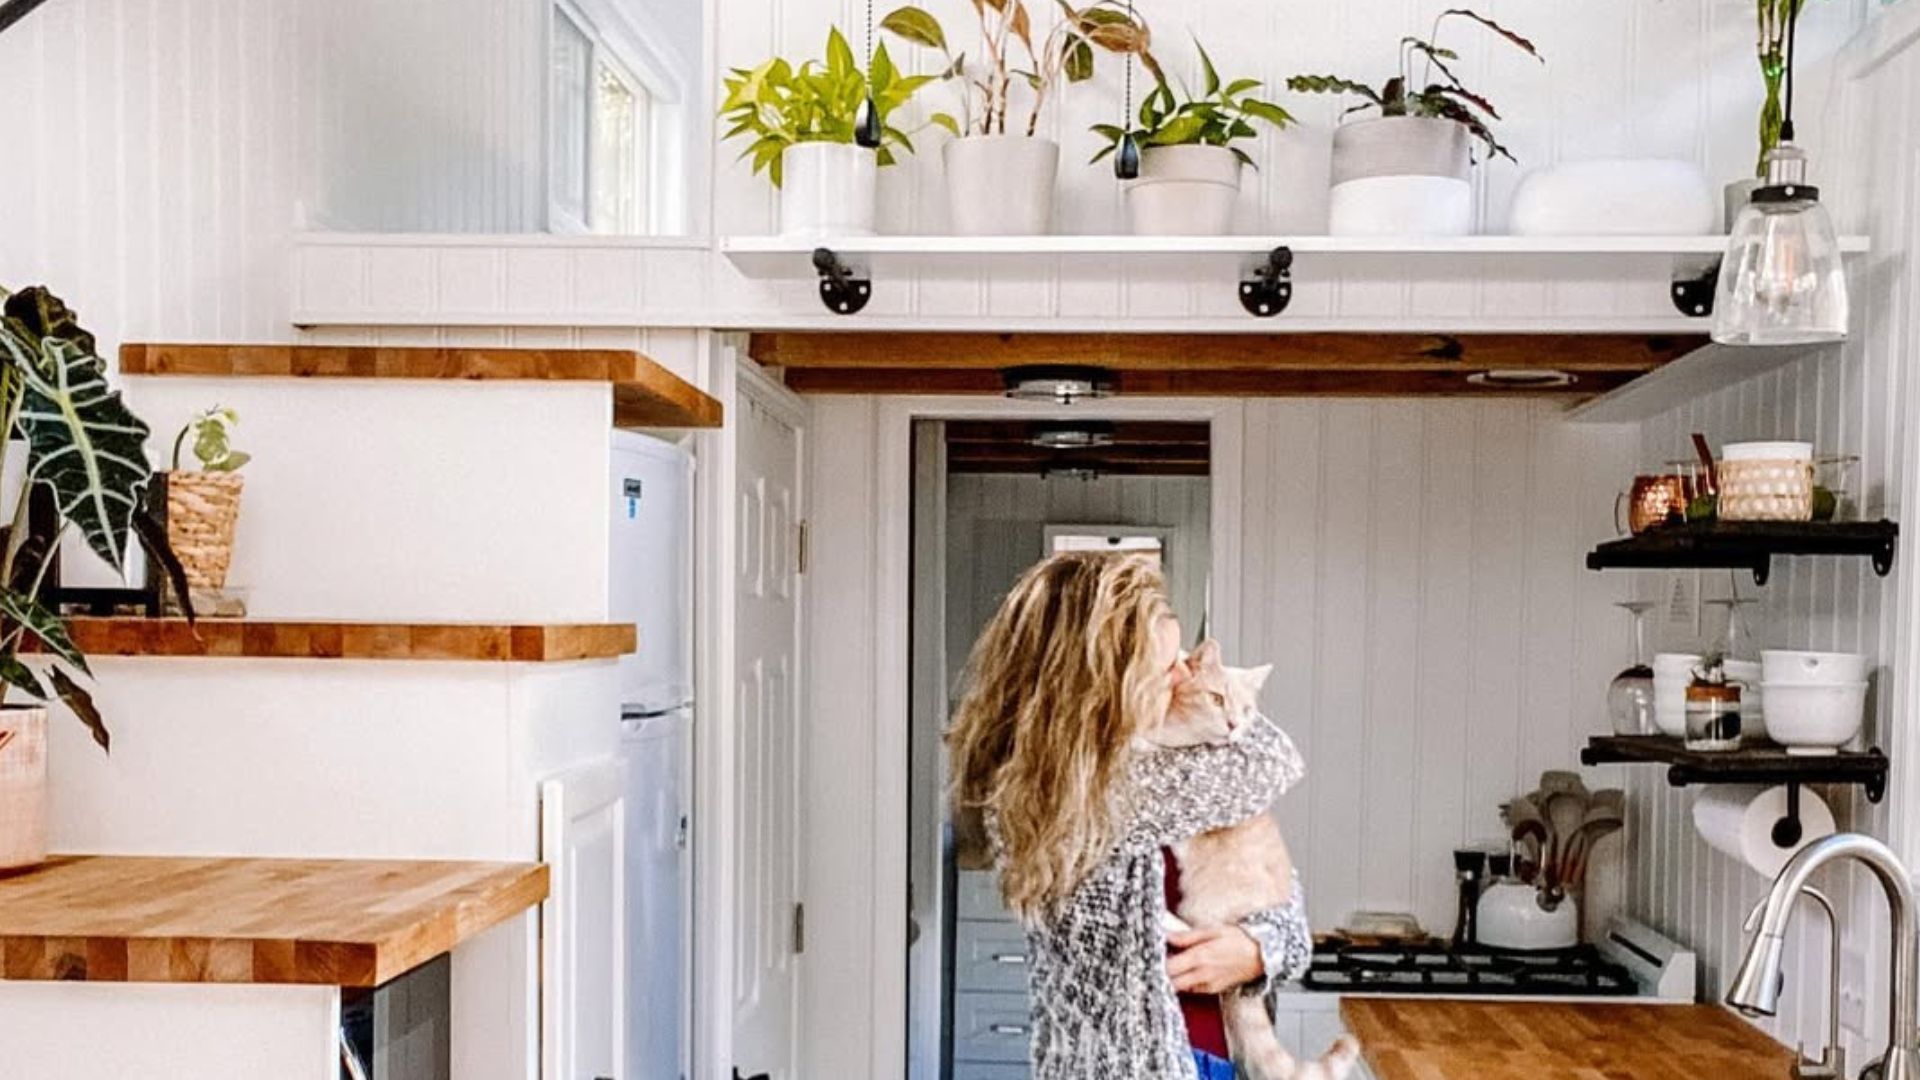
point(328, 922)
point(1753, 765)
point(273, 639)
point(1746, 545)
point(854, 361)
point(645, 394)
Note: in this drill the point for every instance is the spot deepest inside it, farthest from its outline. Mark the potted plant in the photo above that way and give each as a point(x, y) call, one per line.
point(802, 122)
point(1406, 170)
point(1000, 172)
point(1189, 168)
point(86, 455)
point(203, 506)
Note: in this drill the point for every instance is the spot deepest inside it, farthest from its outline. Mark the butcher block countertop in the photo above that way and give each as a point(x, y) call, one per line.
point(328, 922)
point(1412, 1039)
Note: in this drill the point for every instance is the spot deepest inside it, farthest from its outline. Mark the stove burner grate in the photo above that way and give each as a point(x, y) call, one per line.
point(1341, 965)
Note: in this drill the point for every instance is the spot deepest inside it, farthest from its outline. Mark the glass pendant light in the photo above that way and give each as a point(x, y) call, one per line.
point(1782, 282)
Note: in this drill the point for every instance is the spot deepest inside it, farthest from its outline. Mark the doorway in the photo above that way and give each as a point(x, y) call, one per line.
point(990, 498)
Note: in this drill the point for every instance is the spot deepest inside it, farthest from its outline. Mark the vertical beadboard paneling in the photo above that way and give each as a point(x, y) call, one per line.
point(1421, 613)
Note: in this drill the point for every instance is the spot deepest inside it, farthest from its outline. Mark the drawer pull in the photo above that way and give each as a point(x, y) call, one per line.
point(1014, 958)
point(1007, 1029)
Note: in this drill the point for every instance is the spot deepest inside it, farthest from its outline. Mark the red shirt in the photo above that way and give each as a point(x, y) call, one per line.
point(1205, 1030)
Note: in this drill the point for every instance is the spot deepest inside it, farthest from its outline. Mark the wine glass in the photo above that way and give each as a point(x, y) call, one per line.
point(1630, 695)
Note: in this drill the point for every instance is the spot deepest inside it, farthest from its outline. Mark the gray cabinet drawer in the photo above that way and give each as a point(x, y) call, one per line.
point(979, 896)
point(990, 956)
point(986, 1070)
point(991, 1027)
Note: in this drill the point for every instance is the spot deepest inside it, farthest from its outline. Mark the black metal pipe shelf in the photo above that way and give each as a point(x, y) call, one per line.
point(1749, 765)
point(1746, 545)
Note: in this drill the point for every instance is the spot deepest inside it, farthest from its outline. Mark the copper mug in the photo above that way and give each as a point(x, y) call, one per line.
point(1654, 500)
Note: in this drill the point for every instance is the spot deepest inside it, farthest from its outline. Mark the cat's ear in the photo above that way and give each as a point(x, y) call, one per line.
point(1205, 654)
point(1256, 678)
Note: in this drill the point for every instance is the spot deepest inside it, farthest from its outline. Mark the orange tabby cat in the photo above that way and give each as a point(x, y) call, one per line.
point(1231, 873)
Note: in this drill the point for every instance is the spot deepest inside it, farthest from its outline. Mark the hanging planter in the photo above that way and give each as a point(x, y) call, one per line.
point(1406, 171)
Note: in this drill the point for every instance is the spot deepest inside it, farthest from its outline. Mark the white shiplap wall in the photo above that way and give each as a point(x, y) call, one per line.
point(1858, 398)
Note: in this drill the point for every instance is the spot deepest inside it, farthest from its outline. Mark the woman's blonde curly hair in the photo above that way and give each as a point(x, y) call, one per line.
point(1058, 684)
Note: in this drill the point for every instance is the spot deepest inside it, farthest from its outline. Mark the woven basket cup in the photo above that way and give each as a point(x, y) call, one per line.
point(202, 509)
point(1766, 489)
point(23, 787)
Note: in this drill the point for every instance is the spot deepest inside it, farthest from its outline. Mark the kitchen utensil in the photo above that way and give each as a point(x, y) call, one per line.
point(1815, 718)
point(1630, 695)
point(1529, 832)
point(1779, 667)
point(1672, 672)
point(1655, 499)
point(1705, 453)
point(1606, 813)
point(1521, 917)
point(1565, 810)
point(1766, 481)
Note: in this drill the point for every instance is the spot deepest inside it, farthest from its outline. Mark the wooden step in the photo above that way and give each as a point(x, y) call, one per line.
point(329, 640)
point(645, 394)
point(330, 922)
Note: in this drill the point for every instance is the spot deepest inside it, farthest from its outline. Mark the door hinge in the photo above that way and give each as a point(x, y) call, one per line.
point(799, 929)
point(804, 530)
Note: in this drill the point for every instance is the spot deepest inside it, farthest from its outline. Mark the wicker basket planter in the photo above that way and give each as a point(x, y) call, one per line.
point(23, 787)
point(202, 510)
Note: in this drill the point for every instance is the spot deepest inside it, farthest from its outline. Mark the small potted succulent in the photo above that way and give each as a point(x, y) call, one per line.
point(203, 505)
point(1189, 175)
point(1000, 172)
point(803, 122)
point(86, 463)
point(1405, 171)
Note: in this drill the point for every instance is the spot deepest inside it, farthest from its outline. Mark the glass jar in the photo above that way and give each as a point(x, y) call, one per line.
point(1713, 716)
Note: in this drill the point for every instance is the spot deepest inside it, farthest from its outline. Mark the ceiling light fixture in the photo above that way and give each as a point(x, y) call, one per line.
point(1083, 436)
point(1071, 473)
point(1781, 282)
point(1524, 378)
point(1061, 384)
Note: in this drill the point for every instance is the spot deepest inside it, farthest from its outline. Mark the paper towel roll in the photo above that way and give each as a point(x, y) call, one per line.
point(1738, 819)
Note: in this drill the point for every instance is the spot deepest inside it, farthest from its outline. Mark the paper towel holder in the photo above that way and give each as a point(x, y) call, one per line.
point(1789, 831)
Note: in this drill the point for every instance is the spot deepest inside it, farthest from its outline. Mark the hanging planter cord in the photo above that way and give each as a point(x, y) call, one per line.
point(1126, 160)
point(866, 124)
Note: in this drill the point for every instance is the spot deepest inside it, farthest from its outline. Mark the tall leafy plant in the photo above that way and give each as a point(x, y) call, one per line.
point(1220, 114)
point(86, 451)
point(1444, 97)
point(1011, 55)
point(778, 104)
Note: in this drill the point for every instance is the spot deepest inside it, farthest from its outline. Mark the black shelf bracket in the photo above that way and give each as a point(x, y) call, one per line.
point(1268, 288)
point(1693, 289)
point(1750, 765)
point(840, 290)
point(1883, 555)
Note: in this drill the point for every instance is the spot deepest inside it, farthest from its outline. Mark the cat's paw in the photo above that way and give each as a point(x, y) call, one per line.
point(1173, 924)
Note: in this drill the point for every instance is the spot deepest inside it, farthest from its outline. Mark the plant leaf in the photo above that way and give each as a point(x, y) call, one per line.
point(1209, 78)
point(944, 120)
point(21, 677)
point(1521, 43)
point(76, 698)
point(153, 540)
point(1268, 111)
point(37, 314)
point(1179, 131)
point(1240, 86)
point(41, 624)
point(916, 25)
point(1332, 84)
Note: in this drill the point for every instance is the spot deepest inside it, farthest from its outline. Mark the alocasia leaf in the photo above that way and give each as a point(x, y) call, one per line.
point(84, 444)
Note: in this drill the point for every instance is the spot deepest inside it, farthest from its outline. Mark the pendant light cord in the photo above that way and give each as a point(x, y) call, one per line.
point(1793, 24)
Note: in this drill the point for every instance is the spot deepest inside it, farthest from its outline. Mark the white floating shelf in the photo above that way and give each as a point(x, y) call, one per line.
point(777, 257)
point(1706, 369)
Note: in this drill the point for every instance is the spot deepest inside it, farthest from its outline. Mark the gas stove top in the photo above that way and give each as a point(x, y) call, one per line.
point(1629, 961)
point(1344, 967)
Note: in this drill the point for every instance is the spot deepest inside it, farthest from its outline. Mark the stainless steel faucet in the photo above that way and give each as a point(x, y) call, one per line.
point(1756, 987)
point(1832, 1062)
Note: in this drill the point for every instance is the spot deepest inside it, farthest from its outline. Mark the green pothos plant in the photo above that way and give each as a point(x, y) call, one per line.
point(1775, 18)
point(87, 452)
point(1220, 114)
point(1443, 97)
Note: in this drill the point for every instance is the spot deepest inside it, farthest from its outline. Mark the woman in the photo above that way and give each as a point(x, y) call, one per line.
point(1082, 655)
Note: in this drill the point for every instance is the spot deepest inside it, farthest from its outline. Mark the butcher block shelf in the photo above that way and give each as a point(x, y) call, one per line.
point(1748, 765)
point(1747, 545)
point(645, 394)
point(1480, 1040)
point(353, 923)
point(269, 639)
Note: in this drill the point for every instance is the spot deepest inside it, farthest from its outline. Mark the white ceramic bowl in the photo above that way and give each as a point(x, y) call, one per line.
point(1671, 674)
point(1815, 717)
point(1767, 451)
point(1800, 667)
point(1753, 708)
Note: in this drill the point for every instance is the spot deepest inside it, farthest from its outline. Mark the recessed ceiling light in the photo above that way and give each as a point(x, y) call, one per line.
point(1071, 436)
point(1524, 378)
point(1062, 384)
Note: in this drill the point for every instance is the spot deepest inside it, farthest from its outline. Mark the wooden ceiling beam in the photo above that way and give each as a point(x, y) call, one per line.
point(850, 350)
point(1274, 383)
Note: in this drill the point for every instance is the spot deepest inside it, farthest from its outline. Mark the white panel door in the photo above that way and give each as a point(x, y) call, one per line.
point(767, 935)
point(583, 924)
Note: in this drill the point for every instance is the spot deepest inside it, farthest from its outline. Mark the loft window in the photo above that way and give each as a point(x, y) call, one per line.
point(599, 134)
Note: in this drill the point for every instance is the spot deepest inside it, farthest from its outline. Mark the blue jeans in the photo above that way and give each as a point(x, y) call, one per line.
point(1212, 1068)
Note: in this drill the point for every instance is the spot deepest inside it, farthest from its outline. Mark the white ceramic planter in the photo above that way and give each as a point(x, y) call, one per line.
point(827, 189)
point(1400, 176)
point(1184, 191)
point(23, 787)
point(1000, 185)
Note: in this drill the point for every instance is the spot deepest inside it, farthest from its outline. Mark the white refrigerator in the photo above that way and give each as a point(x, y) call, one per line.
point(651, 585)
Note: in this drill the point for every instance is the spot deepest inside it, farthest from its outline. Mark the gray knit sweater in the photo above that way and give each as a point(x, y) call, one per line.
point(1104, 1007)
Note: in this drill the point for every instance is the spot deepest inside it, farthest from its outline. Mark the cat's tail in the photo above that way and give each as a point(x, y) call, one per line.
point(1258, 1055)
